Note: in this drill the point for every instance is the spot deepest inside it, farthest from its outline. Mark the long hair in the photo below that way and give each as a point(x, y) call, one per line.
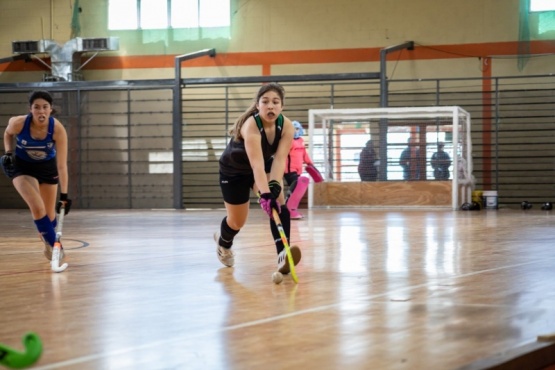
point(235, 131)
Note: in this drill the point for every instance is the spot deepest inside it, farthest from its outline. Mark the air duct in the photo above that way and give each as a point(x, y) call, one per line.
point(65, 59)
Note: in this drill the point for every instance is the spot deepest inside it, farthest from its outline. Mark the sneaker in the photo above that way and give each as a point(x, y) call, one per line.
point(295, 215)
point(225, 255)
point(48, 252)
point(283, 265)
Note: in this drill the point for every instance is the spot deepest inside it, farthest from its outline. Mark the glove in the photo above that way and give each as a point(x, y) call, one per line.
point(275, 188)
point(65, 202)
point(268, 202)
point(7, 165)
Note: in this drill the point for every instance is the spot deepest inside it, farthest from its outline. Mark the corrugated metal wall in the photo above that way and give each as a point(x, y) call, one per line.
point(121, 137)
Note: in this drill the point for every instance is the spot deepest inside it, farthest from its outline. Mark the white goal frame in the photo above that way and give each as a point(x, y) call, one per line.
point(462, 170)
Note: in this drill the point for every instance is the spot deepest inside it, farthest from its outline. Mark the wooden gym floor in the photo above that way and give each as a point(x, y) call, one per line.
point(379, 289)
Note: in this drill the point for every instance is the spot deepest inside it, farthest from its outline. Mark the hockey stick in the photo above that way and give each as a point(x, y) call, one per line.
point(13, 359)
point(57, 249)
point(286, 245)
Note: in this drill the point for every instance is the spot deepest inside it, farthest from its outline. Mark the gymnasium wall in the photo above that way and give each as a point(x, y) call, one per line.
point(291, 37)
point(118, 130)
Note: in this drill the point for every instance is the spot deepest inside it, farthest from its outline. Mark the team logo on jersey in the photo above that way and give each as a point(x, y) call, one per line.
point(24, 142)
point(36, 154)
point(49, 145)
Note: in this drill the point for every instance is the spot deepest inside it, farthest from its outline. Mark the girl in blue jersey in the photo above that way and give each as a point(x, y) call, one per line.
point(36, 161)
point(255, 159)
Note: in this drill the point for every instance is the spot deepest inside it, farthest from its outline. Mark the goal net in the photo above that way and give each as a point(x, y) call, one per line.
point(419, 155)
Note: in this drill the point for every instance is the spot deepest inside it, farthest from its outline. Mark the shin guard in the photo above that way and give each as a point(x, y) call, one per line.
point(226, 234)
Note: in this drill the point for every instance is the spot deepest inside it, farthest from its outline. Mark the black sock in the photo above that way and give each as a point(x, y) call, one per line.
point(285, 218)
point(226, 234)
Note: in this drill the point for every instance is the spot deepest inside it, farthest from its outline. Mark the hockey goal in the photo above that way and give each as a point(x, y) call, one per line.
point(337, 137)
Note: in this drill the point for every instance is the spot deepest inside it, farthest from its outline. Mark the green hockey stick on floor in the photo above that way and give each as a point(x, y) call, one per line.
point(14, 359)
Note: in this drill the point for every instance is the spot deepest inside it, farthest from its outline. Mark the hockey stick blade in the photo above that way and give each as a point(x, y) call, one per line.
point(55, 263)
point(286, 245)
point(14, 359)
point(57, 249)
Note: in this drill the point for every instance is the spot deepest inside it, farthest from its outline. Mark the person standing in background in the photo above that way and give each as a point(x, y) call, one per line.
point(367, 169)
point(409, 160)
point(441, 161)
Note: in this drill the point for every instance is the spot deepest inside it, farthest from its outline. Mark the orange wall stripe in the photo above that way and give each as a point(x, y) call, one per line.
point(266, 70)
point(299, 57)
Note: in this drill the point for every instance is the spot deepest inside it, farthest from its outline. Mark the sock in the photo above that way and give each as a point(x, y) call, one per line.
point(54, 223)
point(285, 218)
point(226, 234)
point(44, 226)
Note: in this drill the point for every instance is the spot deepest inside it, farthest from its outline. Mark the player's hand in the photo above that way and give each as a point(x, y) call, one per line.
point(65, 202)
point(8, 165)
point(275, 188)
point(268, 202)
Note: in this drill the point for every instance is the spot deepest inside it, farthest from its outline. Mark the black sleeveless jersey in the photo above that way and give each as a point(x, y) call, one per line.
point(234, 160)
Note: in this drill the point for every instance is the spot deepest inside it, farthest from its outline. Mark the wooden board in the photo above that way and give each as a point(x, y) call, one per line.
point(389, 193)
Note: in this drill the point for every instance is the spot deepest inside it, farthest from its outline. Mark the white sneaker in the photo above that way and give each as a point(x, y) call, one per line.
point(48, 250)
point(283, 265)
point(225, 255)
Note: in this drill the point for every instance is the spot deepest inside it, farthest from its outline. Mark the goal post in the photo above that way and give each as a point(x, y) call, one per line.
point(337, 136)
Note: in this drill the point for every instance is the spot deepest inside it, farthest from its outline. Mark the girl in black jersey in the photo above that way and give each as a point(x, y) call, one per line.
point(255, 159)
point(36, 161)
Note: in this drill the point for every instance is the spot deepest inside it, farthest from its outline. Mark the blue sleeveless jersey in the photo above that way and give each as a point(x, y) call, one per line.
point(33, 150)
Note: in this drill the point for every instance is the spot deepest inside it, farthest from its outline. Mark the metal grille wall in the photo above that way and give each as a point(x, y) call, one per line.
point(119, 144)
point(513, 130)
point(121, 132)
point(209, 111)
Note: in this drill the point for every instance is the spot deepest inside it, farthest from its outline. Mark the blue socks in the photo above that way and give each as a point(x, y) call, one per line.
point(44, 226)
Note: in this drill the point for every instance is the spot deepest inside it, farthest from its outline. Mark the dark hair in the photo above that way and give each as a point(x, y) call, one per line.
point(40, 94)
point(272, 86)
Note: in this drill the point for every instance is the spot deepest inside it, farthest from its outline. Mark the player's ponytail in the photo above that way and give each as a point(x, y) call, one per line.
point(235, 131)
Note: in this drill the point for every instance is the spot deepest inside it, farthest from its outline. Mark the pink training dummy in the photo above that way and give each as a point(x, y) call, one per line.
point(296, 196)
point(297, 158)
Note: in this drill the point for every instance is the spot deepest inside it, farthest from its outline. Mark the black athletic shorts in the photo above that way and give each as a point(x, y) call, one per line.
point(45, 172)
point(236, 189)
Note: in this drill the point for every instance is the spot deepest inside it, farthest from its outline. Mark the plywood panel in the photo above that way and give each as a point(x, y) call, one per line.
point(390, 193)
